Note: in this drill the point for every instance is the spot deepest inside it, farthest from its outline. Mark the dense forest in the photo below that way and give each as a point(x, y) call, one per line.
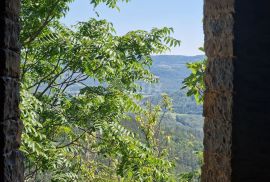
point(87, 104)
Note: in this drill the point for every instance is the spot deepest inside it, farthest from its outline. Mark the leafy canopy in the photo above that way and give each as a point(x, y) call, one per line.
point(78, 85)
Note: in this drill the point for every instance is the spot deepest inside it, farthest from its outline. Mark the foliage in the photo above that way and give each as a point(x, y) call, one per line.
point(177, 136)
point(109, 3)
point(196, 87)
point(195, 81)
point(185, 143)
point(79, 136)
point(194, 175)
point(181, 103)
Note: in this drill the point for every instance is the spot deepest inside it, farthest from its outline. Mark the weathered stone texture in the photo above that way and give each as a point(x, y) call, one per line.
point(219, 37)
point(9, 63)
point(11, 163)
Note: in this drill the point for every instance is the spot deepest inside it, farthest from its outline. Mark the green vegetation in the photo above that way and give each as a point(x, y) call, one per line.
point(186, 117)
point(104, 131)
point(195, 81)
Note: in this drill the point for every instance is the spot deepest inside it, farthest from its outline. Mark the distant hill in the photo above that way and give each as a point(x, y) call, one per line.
point(171, 71)
point(176, 59)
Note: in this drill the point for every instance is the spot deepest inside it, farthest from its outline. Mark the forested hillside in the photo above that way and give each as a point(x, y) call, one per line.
point(185, 122)
point(172, 70)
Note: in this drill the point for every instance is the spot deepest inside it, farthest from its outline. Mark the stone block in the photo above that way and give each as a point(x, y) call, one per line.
point(9, 99)
point(219, 47)
point(218, 105)
point(12, 130)
point(218, 7)
point(219, 74)
point(9, 61)
point(13, 167)
point(10, 8)
point(9, 37)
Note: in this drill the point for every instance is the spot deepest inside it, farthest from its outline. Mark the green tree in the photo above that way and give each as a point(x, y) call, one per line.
point(195, 81)
point(73, 128)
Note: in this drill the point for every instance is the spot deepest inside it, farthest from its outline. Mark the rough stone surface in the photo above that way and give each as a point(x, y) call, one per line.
point(219, 37)
point(11, 163)
point(9, 63)
point(236, 107)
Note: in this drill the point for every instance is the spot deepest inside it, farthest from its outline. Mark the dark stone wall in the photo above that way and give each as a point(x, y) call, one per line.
point(11, 165)
point(237, 102)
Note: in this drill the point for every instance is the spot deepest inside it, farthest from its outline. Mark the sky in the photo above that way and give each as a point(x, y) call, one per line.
point(185, 16)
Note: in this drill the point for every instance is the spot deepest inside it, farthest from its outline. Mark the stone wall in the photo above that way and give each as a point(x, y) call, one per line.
point(11, 165)
point(218, 27)
point(237, 102)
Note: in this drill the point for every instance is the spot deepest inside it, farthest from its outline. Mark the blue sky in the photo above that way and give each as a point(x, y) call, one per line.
point(185, 16)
